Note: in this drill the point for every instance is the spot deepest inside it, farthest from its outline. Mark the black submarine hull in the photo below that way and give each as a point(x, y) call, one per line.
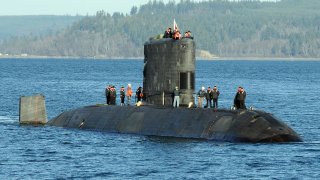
point(218, 125)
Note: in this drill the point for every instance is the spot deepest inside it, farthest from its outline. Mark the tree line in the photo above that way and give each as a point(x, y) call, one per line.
point(250, 28)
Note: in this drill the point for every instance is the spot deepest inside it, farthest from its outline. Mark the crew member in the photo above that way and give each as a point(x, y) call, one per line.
point(176, 100)
point(201, 94)
point(168, 33)
point(122, 96)
point(239, 99)
point(188, 35)
point(107, 93)
point(113, 95)
point(207, 95)
point(215, 95)
point(177, 35)
point(129, 94)
point(139, 94)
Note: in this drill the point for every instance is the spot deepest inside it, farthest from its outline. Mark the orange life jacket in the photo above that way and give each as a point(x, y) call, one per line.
point(129, 92)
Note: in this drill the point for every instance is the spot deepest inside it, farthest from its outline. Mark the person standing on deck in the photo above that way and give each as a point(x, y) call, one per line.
point(113, 96)
point(107, 94)
point(176, 94)
point(139, 94)
point(129, 94)
point(215, 95)
point(201, 95)
point(208, 104)
point(239, 99)
point(122, 96)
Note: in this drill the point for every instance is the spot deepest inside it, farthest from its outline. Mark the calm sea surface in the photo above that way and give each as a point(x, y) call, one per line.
point(290, 90)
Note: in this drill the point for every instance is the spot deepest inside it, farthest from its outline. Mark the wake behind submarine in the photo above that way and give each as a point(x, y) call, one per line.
point(169, 63)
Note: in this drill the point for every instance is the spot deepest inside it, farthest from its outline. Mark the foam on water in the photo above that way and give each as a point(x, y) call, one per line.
point(9, 120)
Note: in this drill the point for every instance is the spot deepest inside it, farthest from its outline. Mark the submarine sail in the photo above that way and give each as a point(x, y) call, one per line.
point(168, 64)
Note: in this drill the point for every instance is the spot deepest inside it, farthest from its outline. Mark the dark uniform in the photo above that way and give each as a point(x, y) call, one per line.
point(215, 94)
point(113, 96)
point(122, 96)
point(107, 93)
point(208, 105)
point(167, 33)
point(139, 94)
point(239, 99)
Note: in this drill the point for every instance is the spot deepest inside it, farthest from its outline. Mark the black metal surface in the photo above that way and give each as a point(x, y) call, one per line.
point(221, 125)
point(169, 63)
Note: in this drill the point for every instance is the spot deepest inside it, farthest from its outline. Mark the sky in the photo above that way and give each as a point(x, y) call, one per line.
point(68, 7)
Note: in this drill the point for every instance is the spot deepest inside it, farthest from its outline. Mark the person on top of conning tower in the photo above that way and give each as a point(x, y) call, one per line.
point(188, 35)
point(168, 33)
point(177, 35)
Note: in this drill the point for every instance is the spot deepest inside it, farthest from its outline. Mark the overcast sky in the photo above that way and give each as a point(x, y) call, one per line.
point(68, 7)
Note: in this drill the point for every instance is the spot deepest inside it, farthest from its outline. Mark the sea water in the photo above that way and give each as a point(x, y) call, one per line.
point(288, 89)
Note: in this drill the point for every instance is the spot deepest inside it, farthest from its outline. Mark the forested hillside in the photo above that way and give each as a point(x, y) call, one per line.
point(289, 28)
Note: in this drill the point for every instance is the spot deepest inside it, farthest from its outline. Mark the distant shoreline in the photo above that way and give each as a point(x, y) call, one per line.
point(141, 58)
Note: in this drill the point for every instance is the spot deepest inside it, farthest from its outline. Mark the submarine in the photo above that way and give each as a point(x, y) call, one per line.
point(170, 63)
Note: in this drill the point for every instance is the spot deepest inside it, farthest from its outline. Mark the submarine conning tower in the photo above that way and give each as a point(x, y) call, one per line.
point(169, 63)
